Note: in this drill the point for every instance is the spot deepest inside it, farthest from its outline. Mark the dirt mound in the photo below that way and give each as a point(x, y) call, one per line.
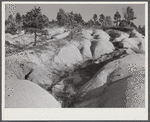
point(116, 79)
point(135, 44)
point(24, 94)
point(125, 66)
point(27, 65)
point(100, 45)
point(134, 41)
point(86, 71)
point(83, 42)
point(68, 55)
point(99, 48)
point(100, 34)
point(128, 92)
point(119, 83)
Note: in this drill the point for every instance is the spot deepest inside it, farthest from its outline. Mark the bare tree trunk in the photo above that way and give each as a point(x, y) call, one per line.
point(35, 35)
point(117, 22)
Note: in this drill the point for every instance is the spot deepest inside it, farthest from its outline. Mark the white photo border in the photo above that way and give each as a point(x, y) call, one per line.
point(74, 113)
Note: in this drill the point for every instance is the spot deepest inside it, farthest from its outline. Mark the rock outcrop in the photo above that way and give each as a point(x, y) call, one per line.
point(100, 34)
point(101, 47)
point(25, 94)
point(101, 44)
point(68, 55)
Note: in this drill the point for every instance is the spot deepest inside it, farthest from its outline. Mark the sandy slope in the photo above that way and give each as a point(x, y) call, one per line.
point(119, 83)
point(25, 94)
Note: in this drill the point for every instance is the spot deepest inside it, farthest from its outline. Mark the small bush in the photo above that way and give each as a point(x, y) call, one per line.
point(11, 29)
point(113, 35)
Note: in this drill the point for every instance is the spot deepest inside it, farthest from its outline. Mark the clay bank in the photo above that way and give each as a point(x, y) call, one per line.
point(88, 70)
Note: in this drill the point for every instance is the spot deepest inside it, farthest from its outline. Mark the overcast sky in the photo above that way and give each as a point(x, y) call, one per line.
point(86, 10)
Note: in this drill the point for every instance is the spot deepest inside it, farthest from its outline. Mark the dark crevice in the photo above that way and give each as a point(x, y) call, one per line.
point(27, 75)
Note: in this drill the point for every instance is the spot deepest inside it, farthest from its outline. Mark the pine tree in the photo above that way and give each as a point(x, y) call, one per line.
point(102, 19)
point(108, 21)
point(18, 17)
point(95, 18)
point(10, 25)
point(117, 18)
point(61, 17)
point(34, 21)
point(129, 15)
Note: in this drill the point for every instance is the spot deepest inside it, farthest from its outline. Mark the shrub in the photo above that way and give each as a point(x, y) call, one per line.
point(113, 35)
point(11, 29)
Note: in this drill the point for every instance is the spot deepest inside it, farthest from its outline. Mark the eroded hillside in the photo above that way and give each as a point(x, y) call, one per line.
point(92, 68)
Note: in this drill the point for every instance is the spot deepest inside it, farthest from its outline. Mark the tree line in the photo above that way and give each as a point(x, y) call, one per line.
point(34, 21)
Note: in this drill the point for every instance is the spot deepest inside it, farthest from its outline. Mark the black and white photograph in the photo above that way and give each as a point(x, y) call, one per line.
point(75, 56)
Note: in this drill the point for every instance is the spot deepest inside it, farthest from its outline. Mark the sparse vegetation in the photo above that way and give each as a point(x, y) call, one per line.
point(141, 29)
point(117, 18)
point(34, 21)
point(65, 54)
point(68, 19)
